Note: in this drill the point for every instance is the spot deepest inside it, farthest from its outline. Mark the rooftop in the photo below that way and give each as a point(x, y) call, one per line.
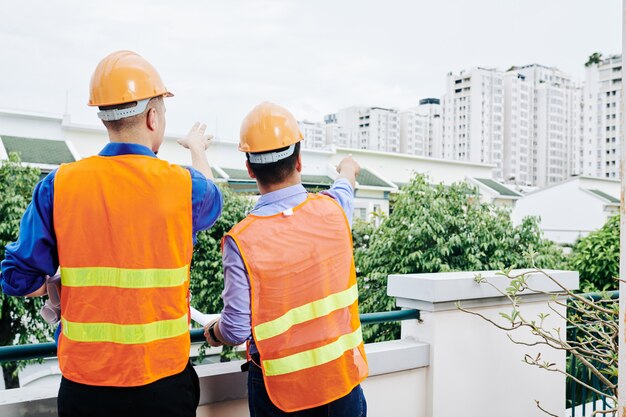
point(498, 187)
point(40, 151)
point(604, 196)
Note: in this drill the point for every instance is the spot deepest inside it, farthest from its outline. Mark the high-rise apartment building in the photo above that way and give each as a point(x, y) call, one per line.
point(421, 129)
point(339, 136)
point(413, 132)
point(473, 117)
point(517, 147)
point(314, 134)
point(543, 126)
point(373, 128)
point(602, 118)
point(554, 124)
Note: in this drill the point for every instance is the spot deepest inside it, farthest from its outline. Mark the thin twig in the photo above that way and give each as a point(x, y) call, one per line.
point(544, 410)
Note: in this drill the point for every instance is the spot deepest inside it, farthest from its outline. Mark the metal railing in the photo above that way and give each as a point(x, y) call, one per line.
point(582, 401)
point(49, 349)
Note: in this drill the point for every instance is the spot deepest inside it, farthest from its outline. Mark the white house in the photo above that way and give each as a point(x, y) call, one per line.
point(492, 191)
point(571, 209)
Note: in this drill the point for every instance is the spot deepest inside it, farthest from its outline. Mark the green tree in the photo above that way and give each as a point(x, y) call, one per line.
point(443, 228)
point(207, 274)
point(596, 257)
point(594, 59)
point(20, 322)
point(361, 233)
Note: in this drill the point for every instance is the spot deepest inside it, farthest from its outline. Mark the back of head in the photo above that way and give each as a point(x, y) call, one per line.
point(270, 136)
point(124, 86)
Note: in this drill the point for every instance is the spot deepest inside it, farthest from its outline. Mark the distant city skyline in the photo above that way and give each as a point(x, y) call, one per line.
point(535, 124)
point(312, 57)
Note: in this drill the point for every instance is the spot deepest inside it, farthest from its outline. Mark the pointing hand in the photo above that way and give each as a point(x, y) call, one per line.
point(196, 138)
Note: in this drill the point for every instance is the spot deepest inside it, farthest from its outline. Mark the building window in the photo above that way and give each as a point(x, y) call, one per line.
point(360, 213)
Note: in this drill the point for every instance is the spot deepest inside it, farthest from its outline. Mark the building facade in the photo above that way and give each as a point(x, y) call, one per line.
point(473, 117)
point(555, 111)
point(372, 128)
point(421, 129)
point(314, 134)
point(602, 118)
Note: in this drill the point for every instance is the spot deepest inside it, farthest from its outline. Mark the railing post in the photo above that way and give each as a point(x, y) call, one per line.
point(622, 270)
point(474, 368)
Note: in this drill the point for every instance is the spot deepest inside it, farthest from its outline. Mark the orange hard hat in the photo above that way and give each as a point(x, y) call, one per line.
point(268, 127)
point(124, 77)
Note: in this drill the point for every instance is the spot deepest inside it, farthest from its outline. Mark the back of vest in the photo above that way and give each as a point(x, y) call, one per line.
point(305, 318)
point(123, 226)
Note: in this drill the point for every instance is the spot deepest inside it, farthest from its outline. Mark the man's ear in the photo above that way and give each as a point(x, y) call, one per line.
point(152, 120)
point(250, 173)
point(299, 163)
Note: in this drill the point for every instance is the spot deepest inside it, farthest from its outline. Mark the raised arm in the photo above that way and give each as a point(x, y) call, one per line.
point(349, 169)
point(198, 142)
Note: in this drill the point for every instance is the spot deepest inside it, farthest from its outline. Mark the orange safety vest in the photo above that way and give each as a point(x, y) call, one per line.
point(123, 226)
point(305, 318)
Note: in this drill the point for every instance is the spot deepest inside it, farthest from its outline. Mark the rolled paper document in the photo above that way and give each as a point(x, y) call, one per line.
point(201, 318)
point(51, 310)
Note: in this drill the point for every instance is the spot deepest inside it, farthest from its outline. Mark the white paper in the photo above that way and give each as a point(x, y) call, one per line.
point(201, 318)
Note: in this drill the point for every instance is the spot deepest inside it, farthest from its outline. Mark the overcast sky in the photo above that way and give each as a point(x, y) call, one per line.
point(221, 58)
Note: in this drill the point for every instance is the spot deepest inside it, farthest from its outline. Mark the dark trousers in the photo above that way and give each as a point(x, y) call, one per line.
point(352, 405)
point(176, 395)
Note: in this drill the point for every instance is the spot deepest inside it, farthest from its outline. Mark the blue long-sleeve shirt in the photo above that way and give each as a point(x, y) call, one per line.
point(34, 255)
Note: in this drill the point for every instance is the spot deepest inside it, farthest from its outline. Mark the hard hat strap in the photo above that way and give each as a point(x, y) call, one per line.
point(117, 114)
point(271, 157)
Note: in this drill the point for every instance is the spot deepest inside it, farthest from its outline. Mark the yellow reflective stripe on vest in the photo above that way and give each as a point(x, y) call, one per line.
point(123, 277)
point(313, 357)
point(306, 312)
point(125, 333)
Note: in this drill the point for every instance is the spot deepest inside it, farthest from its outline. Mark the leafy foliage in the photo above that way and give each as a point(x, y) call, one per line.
point(443, 228)
point(591, 342)
point(596, 258)
point(361, 233)
point(20, 322)
point(207, 274)
point(594, 58)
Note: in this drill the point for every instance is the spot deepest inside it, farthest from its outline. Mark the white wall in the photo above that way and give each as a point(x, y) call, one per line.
point(566, 211)
point(475, 370)
point(483, 369)
point(401, 168)
point(37, 126)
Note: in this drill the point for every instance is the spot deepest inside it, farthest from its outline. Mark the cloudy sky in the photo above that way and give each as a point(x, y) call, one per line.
point(221, 58)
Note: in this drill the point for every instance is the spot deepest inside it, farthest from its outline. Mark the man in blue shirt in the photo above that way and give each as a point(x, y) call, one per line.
point(129, 93)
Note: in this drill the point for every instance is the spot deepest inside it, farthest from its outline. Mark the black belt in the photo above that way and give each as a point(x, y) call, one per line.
point(256, 359)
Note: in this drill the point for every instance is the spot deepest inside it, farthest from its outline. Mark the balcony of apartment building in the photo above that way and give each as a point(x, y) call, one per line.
point(446, 362)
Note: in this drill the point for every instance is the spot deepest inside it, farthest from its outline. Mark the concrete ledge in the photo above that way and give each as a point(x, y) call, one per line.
point(440, 291)
point(396, 356)
point(29, 401)
point(222, 382)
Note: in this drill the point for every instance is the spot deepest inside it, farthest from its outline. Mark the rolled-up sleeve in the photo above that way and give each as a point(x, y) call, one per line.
point(342, 192)
point(207, 201)
point(235, 320)
point(34, 255)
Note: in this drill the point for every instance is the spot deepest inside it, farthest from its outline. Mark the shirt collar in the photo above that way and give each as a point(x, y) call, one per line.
point(282, 194)
point(123, 148)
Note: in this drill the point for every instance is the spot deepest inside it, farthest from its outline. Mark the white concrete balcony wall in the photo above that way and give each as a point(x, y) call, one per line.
point(475, 370)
